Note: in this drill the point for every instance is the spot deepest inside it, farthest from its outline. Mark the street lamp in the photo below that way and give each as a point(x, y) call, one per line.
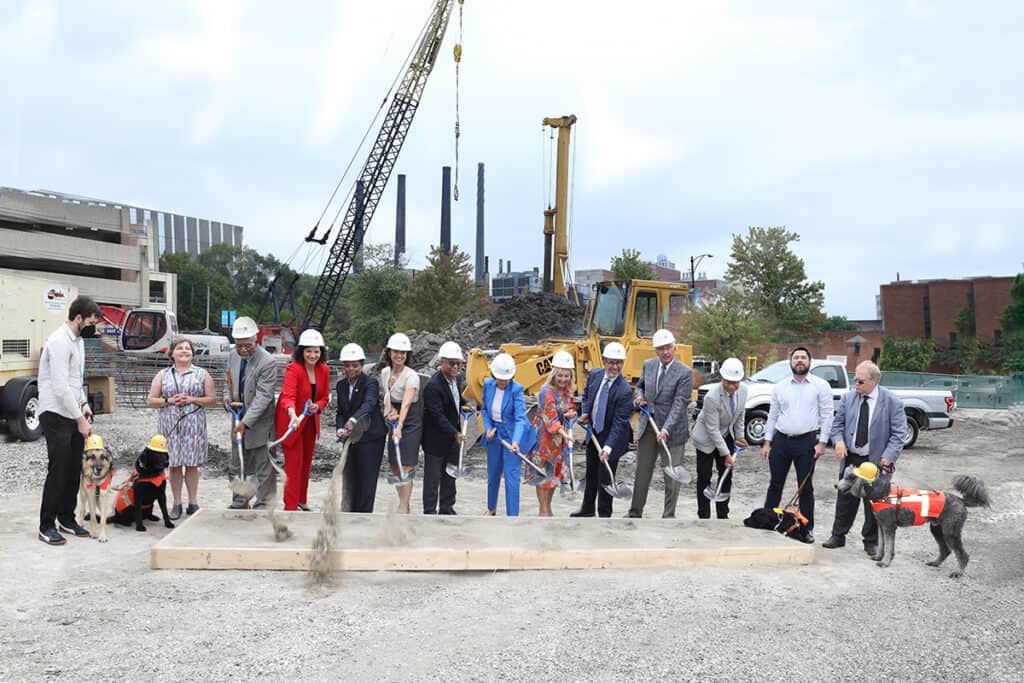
point(694, 262)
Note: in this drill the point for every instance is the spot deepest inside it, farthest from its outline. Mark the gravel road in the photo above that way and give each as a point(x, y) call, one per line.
point(96, 611)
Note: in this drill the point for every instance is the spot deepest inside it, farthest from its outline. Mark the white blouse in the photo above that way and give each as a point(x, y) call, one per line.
point(407, 378)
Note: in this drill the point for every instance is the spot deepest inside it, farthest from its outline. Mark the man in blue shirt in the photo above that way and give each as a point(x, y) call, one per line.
point(799, 424)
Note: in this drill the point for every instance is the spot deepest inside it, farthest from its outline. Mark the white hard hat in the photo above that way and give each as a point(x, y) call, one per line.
point(503, 366)
point(450, 350)
point(563, 360)
point(615, 351)
point(351, 352)
point(399, 342)
point(244, 328)
point(311, 338)
point(662, 337)
point(732, 369)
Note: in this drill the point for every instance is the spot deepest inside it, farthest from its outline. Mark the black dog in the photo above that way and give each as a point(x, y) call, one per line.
point(895, 507)
point(148, 484)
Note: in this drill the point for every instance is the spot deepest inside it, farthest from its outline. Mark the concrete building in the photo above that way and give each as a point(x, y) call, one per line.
point(109, 251)
point(586, 279)
point(927, 309)
point(506, 285)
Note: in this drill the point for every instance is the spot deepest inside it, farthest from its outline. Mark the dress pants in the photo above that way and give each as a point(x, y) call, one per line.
point(846, 508)
point(362, 471)
point(436, 481)
point(597, 478)
point(64, 448)
point(501, 461)
point(298, 460)
point(649, 452)
point(800, 454)
point(705, 461)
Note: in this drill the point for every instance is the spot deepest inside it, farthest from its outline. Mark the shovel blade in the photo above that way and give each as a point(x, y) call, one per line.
point(397, 480)
point(679, 473)
point(456, 473)
point(618, 490)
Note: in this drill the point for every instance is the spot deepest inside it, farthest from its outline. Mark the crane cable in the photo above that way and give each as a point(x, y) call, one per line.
point(458, 58)
point(570, 207)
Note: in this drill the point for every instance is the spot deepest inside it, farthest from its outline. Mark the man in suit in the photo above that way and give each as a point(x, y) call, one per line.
point(442, 430)
point(607, 406)
point(718, 432)
point(359, 402)
point(665, 387)
point(252, 380)
point(869, 426)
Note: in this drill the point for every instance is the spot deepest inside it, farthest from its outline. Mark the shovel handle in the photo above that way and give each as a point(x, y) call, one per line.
point(522, 457)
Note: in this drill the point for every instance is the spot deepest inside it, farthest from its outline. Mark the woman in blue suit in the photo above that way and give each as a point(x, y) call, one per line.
point(504, 415)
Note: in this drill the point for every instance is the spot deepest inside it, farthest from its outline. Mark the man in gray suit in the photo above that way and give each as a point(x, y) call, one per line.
point(665, 387)
point(719, 429)
point(251, 381)
point(869, 426)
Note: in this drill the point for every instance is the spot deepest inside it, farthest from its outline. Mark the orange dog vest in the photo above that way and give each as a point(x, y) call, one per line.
point(926, 505)
point(127, 497)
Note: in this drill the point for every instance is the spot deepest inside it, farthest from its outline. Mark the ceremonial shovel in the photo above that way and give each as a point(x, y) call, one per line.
point(460, 471)
point(617, 489)
point(677, 472)
point(716, 496)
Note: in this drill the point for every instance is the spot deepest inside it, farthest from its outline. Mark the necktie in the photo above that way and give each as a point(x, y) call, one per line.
point(241, 379)
point(657, 383)
point(602, 403)
point(862, 424)
point(732, 403)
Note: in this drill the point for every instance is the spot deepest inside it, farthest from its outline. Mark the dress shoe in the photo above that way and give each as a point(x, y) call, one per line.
point(871, 550)
point(74, 529)
point(51, 537)
point(581, 513)
point(175, 511)
point(807, 537)
point(834, 542)
point(235, 505)
point(447, 512)
point(633, 515)
point(304, 507)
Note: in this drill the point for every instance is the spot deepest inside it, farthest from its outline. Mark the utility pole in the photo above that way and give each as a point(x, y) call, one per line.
point(694, 262)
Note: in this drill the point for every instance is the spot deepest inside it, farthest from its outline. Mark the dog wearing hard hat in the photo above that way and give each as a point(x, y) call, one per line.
point(146, 485)
point(94, 489)
point(895, 506)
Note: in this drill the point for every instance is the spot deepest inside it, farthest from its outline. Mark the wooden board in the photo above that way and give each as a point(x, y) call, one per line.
point(230, 539)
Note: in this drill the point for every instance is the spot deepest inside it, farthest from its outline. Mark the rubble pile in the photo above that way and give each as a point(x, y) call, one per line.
point(525, 319)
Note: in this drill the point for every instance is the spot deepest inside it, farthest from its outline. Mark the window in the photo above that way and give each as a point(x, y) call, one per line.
point(143, 329)
point(610, 310)
point(926, 302)
point(646, 313)
point(829, 373)
point(676, 306)
point(157, 292)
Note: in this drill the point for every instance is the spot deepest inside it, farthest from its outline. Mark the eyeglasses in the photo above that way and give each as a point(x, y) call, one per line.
point(453, 363)
point(861, 382)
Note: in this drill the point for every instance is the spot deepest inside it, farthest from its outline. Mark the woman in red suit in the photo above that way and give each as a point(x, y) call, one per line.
point(307, 378)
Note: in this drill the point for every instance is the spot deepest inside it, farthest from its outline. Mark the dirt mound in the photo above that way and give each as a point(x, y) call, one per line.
point(525, 319)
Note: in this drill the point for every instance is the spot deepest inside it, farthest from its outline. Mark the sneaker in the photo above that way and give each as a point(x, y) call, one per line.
point(175, 511)
point(52, 537)
point(74, 529)
point(191, 509)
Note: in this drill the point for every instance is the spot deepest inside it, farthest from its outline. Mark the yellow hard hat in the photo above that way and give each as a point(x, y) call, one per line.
point(158, 443)
point(94, 442)
point(868, 471)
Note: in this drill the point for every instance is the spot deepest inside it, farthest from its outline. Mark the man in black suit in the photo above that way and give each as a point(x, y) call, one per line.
point(359, 402)
point(442, 430)
point(607, 406)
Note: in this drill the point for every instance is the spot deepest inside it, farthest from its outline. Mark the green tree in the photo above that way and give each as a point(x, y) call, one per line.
point(909, 355)
point(441, 293)
point(193, 279)
point(838, 323)
point(372, 301)
point(763, 266)
point(724, 326)
point(630, 267)
point(1012, 317)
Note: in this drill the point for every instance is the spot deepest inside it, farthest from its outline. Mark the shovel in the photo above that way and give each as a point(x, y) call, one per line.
point(461, 471)
point(398, 479)
point(291, 428)
point(574, 484)
point(676, 472)
point(241, 487)
point(540, 476)
point(716, 495)
point(616, 489)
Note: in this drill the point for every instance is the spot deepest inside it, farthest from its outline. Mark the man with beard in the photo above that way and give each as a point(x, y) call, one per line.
point(799, 424)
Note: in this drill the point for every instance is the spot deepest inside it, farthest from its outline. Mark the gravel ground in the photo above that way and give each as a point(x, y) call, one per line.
point(76, 611)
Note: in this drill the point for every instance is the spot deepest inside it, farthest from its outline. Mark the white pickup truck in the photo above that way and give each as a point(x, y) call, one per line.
point(925, 408)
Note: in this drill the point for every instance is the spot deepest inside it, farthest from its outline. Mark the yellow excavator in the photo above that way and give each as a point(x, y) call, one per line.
point(629, 312)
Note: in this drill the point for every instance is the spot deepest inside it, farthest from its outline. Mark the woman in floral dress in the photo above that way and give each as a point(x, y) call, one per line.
point(555, 407)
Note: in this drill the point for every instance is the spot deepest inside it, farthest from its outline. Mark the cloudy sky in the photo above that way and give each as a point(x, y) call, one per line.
point(889, 135)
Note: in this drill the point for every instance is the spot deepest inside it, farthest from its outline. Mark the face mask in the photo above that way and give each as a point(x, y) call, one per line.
point(87, 332)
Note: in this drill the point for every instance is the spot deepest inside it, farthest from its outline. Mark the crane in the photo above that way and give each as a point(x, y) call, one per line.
point(378, 166)
point(557, 277)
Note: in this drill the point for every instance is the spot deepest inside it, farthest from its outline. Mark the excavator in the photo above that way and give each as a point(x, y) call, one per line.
point(628, 312)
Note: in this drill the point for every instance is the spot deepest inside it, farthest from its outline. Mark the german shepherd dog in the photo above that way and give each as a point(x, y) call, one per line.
point(894, 507)
point(95, 489)
point(147, 485)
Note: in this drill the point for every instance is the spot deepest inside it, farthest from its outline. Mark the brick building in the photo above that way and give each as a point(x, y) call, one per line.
point(927, 309)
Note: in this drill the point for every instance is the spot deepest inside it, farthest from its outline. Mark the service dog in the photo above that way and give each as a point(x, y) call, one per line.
point(146, 485)
point(895, 506)
point(94, 490)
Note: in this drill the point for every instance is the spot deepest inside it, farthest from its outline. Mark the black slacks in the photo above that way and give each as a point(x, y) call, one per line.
point(704, 463)
point(64, 448)
point(597, 478)
point(800, 454)
point(438, 485)
point(362, 471)
point(846, 508)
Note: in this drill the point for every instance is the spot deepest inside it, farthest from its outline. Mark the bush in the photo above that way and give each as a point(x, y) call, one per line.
point(908, 355)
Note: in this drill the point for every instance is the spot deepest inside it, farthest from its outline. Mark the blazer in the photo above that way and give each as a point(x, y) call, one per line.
point(364, 406)
point(440, 414)
point(515, 426)
point(885, 432)
point(668, 400)
point(295, 392)
point(258, 396)
point(617, 430)
point(715, 418)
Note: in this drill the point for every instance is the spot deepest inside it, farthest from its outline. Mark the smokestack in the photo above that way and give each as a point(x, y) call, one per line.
point(501, 263)
point(508, 265)
point(400, 220)
point(487, 274)
point(480, 269)
point(446, 208)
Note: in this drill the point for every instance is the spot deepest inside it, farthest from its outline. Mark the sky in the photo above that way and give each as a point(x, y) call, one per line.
point(888, 135)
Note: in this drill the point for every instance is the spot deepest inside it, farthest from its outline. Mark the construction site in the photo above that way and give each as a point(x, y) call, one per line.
point(239, 591)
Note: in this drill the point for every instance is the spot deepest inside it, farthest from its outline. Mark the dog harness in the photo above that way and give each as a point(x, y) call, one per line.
point(924, 504)
point(127, 497)
point(103, 485)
